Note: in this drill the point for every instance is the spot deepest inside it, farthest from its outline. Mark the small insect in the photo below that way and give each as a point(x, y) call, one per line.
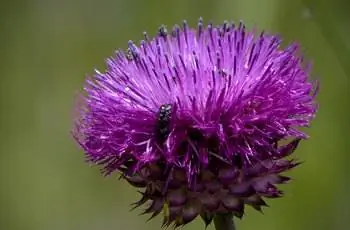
point(164, 116)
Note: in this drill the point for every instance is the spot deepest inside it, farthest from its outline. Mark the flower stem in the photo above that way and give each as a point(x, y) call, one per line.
point(224, 222)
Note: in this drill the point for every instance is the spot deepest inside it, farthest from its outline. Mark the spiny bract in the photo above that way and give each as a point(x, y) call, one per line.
point(198, 119)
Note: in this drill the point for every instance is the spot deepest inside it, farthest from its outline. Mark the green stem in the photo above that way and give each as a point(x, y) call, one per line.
point(224, 222)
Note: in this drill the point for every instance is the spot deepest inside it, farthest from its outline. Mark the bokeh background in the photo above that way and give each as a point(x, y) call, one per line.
point(47, 47)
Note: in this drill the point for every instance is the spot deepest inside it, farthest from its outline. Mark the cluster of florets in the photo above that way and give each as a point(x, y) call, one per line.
point(198, 118)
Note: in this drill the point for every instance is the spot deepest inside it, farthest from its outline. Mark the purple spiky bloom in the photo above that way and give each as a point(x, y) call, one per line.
point(199, 119)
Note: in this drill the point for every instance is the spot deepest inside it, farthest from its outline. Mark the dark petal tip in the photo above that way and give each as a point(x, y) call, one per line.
point(238, 214)
point(136, 181)
point(283, 165)
point(257, 208)
point(289, 148)
point(155, 208)
point(255, 201)
point(142, 201)
point(156, 212)
point(282, 179)
point(207, 218)
point(269, 191)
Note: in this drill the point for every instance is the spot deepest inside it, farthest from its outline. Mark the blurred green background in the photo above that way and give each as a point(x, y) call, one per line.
point(47, 47)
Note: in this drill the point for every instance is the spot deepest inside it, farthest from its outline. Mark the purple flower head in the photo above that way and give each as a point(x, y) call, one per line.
point(199, 119)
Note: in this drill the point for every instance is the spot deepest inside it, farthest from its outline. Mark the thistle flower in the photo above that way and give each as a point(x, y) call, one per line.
point(199, 119)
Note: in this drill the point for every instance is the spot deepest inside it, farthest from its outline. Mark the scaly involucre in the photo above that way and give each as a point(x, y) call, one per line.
point(199, 119)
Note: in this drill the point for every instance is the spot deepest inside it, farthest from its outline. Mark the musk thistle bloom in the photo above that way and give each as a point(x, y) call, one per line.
point(201, 120)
